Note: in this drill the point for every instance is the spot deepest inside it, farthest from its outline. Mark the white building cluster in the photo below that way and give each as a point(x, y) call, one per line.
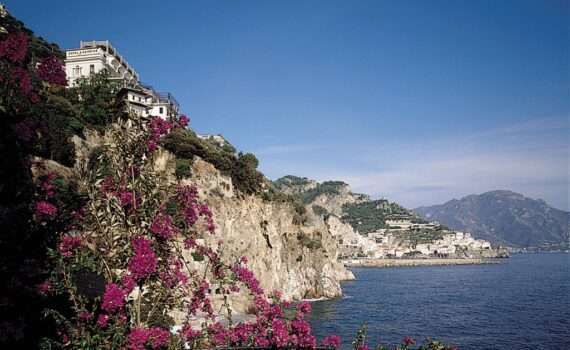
point(387, 243)
point(93, 57)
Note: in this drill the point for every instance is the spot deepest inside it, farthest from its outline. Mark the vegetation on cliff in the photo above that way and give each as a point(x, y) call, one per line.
point(366, 217)
point(242, 168)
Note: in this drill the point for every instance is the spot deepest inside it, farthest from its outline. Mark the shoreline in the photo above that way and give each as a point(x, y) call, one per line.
point(417, 262)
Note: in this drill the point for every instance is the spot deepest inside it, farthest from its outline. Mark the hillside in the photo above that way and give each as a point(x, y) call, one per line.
point(358, 210)
point(504, 217)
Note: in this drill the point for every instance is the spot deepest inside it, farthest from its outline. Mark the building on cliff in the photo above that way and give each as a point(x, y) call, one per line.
point(93, 57)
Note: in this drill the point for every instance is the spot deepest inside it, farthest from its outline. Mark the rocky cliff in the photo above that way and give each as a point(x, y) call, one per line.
point(298, 259)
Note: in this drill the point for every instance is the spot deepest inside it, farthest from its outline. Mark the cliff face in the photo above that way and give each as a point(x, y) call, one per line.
point(299, 260)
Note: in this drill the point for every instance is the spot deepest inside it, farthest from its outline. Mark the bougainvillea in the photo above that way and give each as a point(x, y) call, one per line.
point(51, 71)
point(45, 209)
point(113, 299)
point(14, 47)
point(68, 245)
point(144, 261)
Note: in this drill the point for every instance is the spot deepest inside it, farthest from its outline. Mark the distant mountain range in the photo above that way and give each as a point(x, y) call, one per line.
point(504, 217)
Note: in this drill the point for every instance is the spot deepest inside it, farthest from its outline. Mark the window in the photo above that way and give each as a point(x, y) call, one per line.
point(161, 110)
point(140, 99)
point(77, 71)
point(92, 69)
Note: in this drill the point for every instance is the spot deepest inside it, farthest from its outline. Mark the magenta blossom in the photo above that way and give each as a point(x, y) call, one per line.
point(14, 47)
point(45, 209)
point(113, 299)
point(68, 245)
point(51, 71)
point(144, 262)
point(103, 321)
point(162, 226)
point(408, 341)
point(44, 288)
point(155, 337)
point(332, 341)
point(304, 308)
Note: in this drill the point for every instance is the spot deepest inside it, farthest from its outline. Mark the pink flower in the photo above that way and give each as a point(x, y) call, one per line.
point(331, 341)
point(45, 209)
point(103, 321)
point(128, 283)
point(183, 121)
point(144, 262)
point(68, 245)
point(304, 308)
point(188, 333)
point(155, 337)
point(113, 299)
point(151, 146)
point(363, 347)
point(247, 277)
point(279, 333)
point(14, 47)
point(162, 226)
point(47, 185)
point(44, 288)
point(126, 198)
point(51, 71)
point(408, 341)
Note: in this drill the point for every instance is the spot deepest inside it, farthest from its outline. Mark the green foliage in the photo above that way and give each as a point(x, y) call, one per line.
point(99, 162)
point(290, 180)
point(95, 100)
point(370, 216)
point(419, 236)
point(242, 168)
point(320, 211)
point(327, 187)
point(183, 168)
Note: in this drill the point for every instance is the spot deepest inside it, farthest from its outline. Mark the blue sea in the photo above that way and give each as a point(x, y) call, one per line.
point(521, 303)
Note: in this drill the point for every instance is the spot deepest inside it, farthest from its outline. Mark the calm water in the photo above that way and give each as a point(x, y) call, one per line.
point(522, 303)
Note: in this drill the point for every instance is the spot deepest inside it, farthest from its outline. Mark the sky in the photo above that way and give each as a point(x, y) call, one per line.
point(419, 102)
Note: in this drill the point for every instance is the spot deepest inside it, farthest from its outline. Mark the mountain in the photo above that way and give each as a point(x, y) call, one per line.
point(504, 217)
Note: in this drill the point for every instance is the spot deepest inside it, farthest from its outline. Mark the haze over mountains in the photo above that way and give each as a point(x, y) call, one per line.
point(504, 217)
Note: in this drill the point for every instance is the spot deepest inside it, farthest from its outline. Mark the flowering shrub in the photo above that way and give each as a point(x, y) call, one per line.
point(51, 71)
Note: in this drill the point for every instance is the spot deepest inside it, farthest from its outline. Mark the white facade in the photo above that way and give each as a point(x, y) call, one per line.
point(93, 57)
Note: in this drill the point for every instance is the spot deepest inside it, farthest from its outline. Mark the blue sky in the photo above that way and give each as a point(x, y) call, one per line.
point(416, 101)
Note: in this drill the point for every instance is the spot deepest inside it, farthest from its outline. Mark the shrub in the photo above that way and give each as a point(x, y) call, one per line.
point(183, 168)
point(242, 168)
point(320, 211)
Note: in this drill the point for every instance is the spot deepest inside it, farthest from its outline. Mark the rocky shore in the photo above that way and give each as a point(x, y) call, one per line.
point(415, 262)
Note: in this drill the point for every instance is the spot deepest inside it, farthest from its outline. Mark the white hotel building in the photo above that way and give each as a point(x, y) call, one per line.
point(95, 56)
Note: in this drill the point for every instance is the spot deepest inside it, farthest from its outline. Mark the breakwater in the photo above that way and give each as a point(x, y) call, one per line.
point(415, 262)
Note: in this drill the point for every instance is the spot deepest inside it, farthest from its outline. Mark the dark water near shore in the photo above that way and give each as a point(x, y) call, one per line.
point(521, 303)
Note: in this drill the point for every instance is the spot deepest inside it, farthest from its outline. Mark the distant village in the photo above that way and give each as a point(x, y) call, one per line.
point(394, 242)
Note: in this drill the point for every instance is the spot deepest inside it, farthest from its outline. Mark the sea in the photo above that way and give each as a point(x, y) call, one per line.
point(520, 303)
